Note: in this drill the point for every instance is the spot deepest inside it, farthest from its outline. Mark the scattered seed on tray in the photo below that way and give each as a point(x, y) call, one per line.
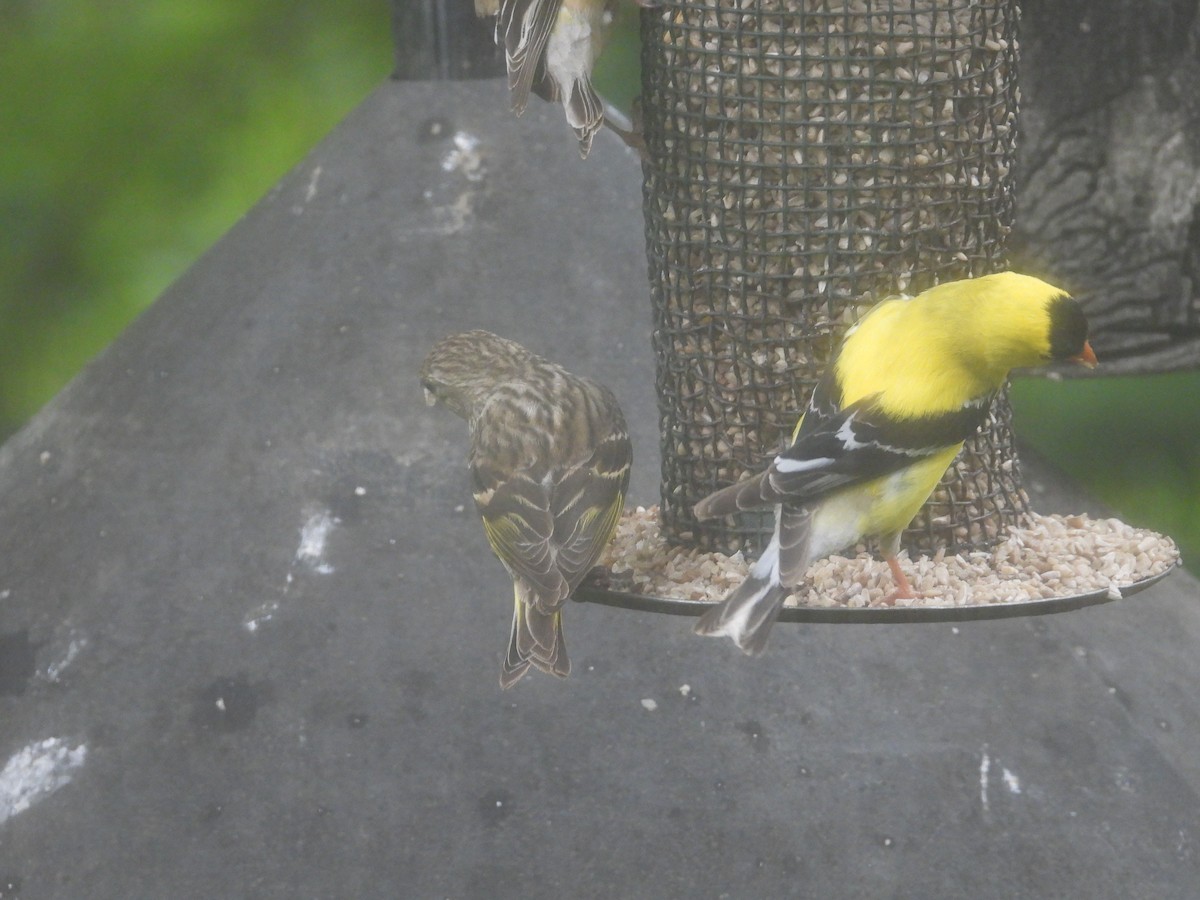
point(1050, 556)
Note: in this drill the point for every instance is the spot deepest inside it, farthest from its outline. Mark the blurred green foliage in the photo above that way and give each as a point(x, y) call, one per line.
point(1132, 442)
point(617, 74)
point(135, 134)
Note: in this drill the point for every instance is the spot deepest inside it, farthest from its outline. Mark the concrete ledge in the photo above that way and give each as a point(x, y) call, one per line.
point(241, 571)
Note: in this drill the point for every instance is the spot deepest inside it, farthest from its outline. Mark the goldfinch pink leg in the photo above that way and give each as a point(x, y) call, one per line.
point(903, 590)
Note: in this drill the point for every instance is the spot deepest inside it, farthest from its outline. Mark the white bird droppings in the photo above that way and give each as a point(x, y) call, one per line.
point(1007, 777)
point(310, 191)
point(985, 763)
point(35, 772)
point(313, 536)
point(1011, 781)
point(265, 613)
point(649, 704)
point(464, 157)
point(55, 669)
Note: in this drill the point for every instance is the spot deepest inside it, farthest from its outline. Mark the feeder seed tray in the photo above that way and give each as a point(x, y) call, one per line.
point(1050, 564)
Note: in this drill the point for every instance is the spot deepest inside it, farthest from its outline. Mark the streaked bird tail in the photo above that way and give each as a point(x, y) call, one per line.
point(536, 639)
point(585, 113)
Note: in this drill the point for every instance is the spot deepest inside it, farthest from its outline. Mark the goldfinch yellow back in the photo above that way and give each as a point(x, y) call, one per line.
point(951, 344)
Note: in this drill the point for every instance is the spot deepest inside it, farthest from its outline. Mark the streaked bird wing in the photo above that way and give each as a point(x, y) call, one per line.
point(588, 501)
point(524, 26)
point(520, 527)
point(550, 527)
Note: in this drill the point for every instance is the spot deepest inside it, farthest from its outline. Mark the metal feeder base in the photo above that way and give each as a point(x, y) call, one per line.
point(602, 587)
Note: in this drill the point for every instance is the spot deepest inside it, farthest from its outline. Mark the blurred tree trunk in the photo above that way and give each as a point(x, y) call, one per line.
point(1108, 197)
point(439, 39)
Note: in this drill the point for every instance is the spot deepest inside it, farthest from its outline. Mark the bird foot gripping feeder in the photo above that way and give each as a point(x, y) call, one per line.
point(802, 158)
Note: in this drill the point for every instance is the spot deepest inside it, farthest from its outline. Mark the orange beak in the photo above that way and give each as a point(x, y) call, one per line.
point(1086, 357)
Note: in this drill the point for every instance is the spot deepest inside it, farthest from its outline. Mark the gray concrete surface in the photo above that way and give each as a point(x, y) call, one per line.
point(251, 631)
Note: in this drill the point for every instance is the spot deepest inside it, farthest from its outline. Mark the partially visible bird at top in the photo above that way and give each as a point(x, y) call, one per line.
point(910, 382)
point(549, 460)
point(550, 48)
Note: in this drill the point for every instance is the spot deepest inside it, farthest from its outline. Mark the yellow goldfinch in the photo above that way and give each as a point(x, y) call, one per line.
point(911, 381)
point(550, 47)
point(549, 461)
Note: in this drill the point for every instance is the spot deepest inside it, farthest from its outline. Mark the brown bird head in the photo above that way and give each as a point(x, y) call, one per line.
point(462, 370)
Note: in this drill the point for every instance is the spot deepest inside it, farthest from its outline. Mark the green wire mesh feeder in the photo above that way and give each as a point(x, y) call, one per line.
point(802, 158)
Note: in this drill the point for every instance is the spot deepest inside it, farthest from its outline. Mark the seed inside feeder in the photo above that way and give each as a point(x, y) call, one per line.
point(803, 153)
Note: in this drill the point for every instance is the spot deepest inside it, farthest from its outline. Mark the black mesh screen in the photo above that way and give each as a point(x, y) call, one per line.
point(804, 157)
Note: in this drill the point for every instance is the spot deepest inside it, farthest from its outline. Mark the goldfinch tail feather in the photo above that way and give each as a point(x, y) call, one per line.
point(753, 493)
point(749, 610)
point(746, 614)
